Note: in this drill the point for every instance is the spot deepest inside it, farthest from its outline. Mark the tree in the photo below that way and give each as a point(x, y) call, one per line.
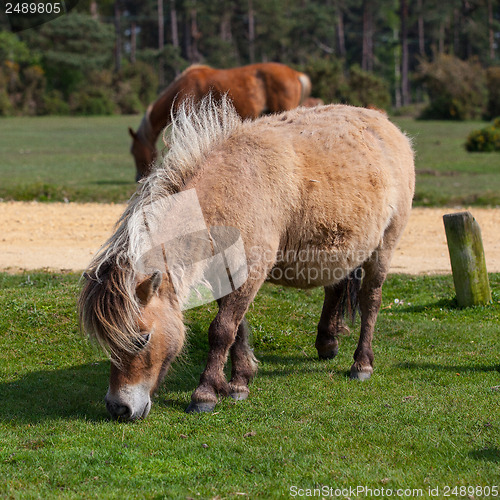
point(405, 82)
point(368, 28)
point(72, 46)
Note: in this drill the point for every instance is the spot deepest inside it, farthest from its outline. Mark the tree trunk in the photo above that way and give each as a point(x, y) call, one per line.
point(405, 82)
point(397, 69)
point(421, 34)
point(173, 24)
point(367, 53)
point(161, 43)
point(175, 32)
point(195, 55)
point(491, 31)
point(225, 26)
point(93, 10)
point(340, 30)
point(441, 38)
point(133, 41)
point(118, 32)
point(456, 33)
point(251, 32)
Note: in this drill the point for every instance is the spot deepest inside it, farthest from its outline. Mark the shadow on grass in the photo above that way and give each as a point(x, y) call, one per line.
point(78, 393)
point(487, 455)
point(75, 393)
point(449, 368)
point(445, 303)
point(283, 366)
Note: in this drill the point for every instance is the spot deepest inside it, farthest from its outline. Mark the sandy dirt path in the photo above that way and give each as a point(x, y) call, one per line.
point(64, 236)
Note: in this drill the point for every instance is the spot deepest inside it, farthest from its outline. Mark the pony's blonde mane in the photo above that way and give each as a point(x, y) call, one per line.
point(108, 305)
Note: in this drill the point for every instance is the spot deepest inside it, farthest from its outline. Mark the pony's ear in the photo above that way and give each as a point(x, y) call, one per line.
point(132, 133)
point(147, 288)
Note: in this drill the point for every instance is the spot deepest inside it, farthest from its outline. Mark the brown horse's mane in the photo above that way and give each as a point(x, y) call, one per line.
point(108, 305)
point(191, 68)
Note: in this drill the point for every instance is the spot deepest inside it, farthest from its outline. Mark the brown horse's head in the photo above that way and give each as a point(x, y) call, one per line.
point(144, 155)
point(142, 329)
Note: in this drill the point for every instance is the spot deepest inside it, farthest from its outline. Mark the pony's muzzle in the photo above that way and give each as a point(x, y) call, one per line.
point(130, 403)
point(118, 411)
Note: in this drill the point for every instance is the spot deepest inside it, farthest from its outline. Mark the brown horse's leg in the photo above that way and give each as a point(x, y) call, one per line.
point(244, 363)
point(331, 323)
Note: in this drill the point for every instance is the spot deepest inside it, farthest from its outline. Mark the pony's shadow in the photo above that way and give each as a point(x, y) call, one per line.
point(78, 392)
point(75, 393)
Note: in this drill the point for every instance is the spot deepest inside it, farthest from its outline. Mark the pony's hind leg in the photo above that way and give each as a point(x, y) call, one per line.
point(331, 323)
point(243, 363)
point(370, 299)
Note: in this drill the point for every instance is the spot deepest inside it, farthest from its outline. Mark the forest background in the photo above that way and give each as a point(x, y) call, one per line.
point(426, 58)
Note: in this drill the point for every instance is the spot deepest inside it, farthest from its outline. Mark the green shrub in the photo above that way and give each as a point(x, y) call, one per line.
point(327, 77)
point(484, 140)
point(6, 108)
point(127, 100)
point(54, 104)
point(493, 84)
point(360, 88)
point(142, 82)
point(33, 80)
point(93, 101)
point(456, 88)
point(5, 104)
point(366, 89)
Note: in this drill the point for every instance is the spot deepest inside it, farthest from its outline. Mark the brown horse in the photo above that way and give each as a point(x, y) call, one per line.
point(316, 197)
point(254, 89)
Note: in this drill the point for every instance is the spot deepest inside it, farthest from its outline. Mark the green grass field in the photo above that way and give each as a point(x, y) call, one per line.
point(87, 159)
point(446, 173)
point(428, 418)
point(66, 158)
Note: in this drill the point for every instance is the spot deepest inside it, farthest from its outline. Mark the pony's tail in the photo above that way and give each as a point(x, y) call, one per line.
point(305, 87)
point(348, 304)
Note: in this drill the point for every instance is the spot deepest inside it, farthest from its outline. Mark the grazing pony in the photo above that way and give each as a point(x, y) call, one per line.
point(319, 197)
point(254, 89)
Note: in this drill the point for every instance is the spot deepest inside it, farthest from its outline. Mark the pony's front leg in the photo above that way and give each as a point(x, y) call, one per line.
point(229, 331)
point(222, 334)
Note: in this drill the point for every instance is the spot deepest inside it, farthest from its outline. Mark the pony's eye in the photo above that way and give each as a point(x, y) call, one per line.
point(141, 341)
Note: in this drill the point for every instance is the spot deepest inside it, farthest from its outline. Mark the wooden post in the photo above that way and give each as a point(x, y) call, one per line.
point(467, 259)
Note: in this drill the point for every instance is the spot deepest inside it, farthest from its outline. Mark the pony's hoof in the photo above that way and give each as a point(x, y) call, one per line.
point(201, 407)
point(328, 354)
point(239, 396)
point(363, 374)
point(327, 350)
